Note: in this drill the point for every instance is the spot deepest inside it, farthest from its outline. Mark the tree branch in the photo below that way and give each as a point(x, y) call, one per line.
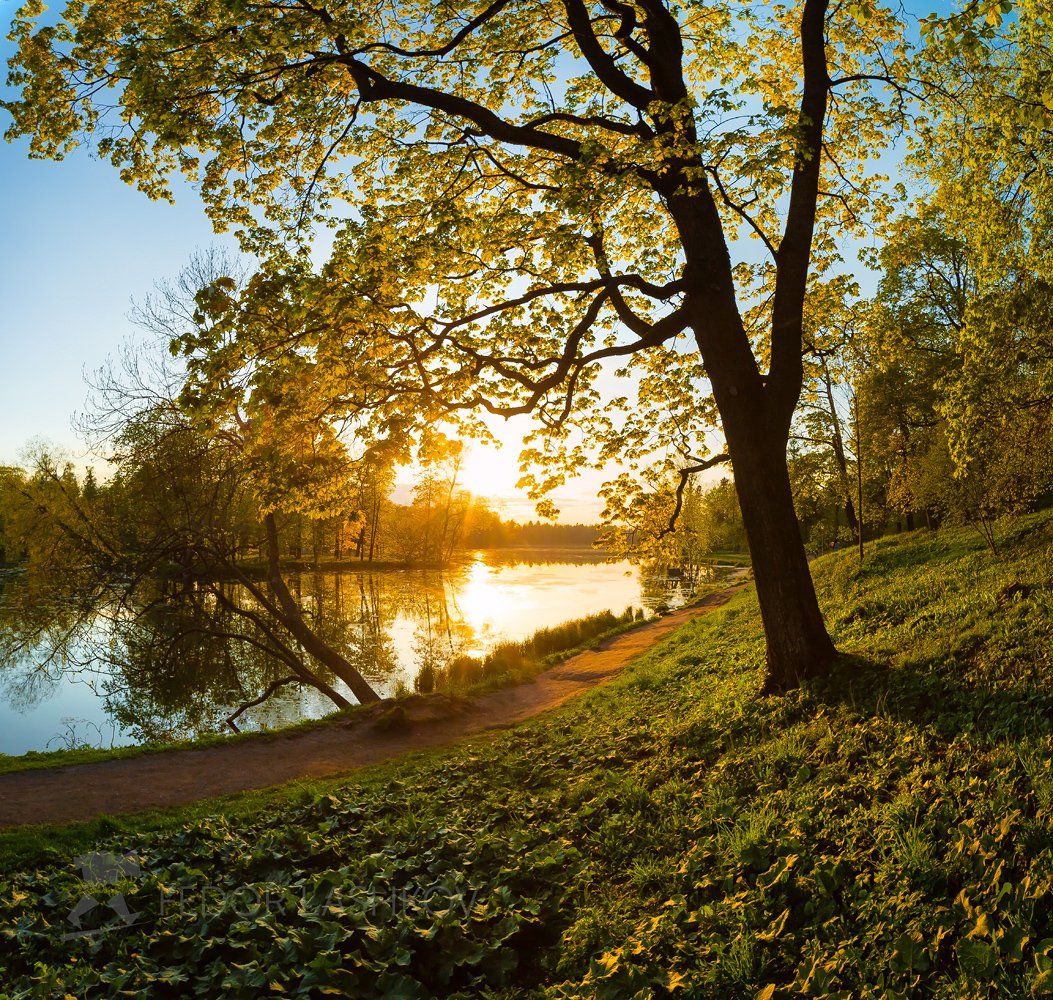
point(270, 690)
point(603, 65)
point(373, 86)
point(794, 255)
point(685, 477)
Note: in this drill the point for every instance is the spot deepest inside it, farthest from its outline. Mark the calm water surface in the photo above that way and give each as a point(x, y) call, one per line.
point(387, 623)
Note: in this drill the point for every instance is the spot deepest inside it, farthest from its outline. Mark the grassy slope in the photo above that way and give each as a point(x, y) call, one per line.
point(888, 834)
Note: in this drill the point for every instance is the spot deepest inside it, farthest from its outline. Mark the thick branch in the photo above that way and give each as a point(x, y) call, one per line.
point(603, 65)
point(373, 87)
point(795, 250)
point(685, 477)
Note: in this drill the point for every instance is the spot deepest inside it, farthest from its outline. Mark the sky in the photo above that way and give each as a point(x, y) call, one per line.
point(77, 247)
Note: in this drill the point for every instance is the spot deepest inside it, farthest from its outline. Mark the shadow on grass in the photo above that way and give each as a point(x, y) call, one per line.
point(946, 700)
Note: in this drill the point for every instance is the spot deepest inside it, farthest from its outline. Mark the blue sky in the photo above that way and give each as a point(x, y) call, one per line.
point(76, 246)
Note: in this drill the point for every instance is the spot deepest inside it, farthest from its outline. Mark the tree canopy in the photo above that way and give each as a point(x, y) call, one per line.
point(520, 191)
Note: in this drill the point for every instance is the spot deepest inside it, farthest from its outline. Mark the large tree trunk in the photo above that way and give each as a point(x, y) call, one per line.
point(756, 410)
point(304, 635)
point(280, 650)
point(798, 646)
point(756, 414)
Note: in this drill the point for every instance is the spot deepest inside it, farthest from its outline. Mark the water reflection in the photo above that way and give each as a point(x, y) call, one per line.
point(76, 670)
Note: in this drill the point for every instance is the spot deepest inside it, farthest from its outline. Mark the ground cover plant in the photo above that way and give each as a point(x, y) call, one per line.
point(883, 834)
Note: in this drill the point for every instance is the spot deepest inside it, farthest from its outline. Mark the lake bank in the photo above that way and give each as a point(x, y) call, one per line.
point(373, 734)
point(510, 664)
point(389, 624)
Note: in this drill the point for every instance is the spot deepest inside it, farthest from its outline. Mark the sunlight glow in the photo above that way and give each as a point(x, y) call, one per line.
point(489, 608)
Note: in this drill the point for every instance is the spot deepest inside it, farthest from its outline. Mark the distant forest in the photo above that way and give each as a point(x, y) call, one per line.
point(493, 533)
point(180, 506)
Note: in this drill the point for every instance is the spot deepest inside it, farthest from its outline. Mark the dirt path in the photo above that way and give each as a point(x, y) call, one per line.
point(83, 791)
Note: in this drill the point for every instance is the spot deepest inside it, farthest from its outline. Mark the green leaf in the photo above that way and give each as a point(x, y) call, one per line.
point(909, 954)
point(977, 958)
point(1043, 984)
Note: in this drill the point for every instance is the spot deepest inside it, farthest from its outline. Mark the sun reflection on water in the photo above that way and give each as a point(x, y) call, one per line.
point(389, 623)
point(489, 608)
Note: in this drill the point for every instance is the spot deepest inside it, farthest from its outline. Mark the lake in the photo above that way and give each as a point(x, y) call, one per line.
point(101, 690)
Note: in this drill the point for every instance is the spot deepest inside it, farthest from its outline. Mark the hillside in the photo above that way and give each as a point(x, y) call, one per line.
point(889, 833)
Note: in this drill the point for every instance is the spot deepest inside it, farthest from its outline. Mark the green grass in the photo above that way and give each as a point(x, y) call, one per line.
point(728, 558)
point(885, 833)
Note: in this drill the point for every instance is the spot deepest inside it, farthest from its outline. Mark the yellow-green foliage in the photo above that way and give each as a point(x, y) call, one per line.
point(884, 834)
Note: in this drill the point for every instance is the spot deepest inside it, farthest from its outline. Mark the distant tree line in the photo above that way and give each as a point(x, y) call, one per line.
point(438, 522)
point(486, 530)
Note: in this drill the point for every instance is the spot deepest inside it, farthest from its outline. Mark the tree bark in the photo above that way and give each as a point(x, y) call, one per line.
point(304, 635)
point(280, 649)
point(798, 646)
point(756, 413)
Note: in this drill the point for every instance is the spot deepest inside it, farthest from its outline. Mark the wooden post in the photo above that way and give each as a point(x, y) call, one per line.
point(859, 474)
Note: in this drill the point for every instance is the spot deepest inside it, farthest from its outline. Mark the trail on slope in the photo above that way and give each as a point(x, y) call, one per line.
point(177, 777)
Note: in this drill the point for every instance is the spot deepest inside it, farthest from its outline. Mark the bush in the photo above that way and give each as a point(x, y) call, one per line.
point(424, 682)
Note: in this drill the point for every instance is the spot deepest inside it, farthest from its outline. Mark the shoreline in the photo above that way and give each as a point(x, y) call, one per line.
point(371, 734)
